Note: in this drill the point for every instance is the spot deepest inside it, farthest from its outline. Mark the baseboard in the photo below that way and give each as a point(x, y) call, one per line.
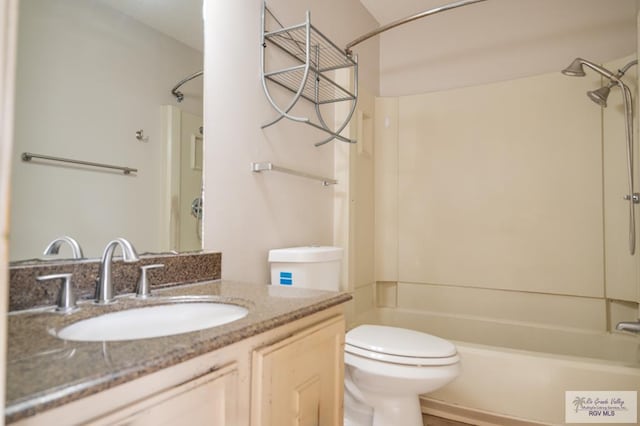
point(470, 415)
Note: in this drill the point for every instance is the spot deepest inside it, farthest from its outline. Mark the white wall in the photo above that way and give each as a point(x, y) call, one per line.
point(246, 214)
point(8, 32)
point(88, 78)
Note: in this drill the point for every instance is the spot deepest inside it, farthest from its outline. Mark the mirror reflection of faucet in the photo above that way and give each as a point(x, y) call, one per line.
point(54, 247)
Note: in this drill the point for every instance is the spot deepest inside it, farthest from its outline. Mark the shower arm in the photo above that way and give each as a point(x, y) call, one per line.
point(406, 20)
point(178, 94)
point(622, 71)
point(600, 70)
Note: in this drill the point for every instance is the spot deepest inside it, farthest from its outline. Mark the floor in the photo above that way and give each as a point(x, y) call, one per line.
point(439, 421)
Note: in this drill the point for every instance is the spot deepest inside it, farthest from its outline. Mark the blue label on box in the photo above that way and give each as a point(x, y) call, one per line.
point(286, 278)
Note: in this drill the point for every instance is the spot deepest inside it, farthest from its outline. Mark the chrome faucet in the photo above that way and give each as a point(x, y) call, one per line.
point(104, 285)
point(54, 247)
point(632, 326)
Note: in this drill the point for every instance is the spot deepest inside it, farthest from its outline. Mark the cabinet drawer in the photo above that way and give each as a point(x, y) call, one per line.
point(208, 400)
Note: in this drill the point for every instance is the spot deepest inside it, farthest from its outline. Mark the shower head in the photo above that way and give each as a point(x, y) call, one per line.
point(600, 95)
point(575, 69)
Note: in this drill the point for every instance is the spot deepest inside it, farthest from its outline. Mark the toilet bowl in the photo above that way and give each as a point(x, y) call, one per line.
point(387, 368)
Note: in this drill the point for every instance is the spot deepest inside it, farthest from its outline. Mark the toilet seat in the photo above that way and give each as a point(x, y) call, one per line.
point(399, 346)
point(402, 360)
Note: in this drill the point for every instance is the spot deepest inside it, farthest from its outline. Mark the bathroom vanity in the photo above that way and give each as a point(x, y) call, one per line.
point(283, 360)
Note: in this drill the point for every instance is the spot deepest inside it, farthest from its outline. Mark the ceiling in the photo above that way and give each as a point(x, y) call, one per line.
point(539, 15)
point(181, 20)
point(484, 42)
point(496, 40)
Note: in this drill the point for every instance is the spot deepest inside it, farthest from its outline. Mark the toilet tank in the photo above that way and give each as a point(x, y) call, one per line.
point(307, 267)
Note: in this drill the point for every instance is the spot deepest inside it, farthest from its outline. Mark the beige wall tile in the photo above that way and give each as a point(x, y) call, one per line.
point(622, 311)
point(387, 294)
point(516, 335)
point(622, 274)
point(386, 189)
point(541, 309)
point(365, 299)
point(500, 186)
point(362, 199)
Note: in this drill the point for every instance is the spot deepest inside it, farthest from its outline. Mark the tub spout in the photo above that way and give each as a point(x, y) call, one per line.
point(632, 326)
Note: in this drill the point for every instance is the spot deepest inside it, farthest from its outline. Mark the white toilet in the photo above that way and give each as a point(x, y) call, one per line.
point(387, 368)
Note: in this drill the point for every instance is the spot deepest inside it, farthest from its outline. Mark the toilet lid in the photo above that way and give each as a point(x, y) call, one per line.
point(399, 342)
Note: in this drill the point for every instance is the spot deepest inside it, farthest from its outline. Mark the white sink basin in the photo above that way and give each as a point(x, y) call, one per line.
point(152, 321)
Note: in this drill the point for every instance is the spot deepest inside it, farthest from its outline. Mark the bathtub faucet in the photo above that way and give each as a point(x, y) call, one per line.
point(632, 326)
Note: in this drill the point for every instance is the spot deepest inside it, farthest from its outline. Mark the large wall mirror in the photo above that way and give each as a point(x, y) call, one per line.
point(94, 81)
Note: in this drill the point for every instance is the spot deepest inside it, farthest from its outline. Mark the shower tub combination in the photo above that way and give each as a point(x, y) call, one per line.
point(517, 374)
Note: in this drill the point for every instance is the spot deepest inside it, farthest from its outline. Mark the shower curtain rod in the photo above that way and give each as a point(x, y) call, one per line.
point(178, 94)
point(408, 19)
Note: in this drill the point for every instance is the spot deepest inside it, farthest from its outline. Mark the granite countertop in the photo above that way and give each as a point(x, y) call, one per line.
point(44, 371)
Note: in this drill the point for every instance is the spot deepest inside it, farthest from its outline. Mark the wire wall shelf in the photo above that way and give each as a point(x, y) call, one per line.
point(312, 61)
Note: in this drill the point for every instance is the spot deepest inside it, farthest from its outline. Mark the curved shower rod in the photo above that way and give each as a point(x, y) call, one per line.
point(178, 94)
point(408, 19)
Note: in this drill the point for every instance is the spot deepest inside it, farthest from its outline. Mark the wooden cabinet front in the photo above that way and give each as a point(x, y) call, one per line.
point(298, 381)
point(209, 400)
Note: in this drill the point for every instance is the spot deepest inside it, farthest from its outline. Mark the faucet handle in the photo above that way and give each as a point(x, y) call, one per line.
point(142, 288)
point(66, 297)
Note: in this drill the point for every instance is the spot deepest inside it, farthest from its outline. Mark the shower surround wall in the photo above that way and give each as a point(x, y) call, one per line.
point(503, 203)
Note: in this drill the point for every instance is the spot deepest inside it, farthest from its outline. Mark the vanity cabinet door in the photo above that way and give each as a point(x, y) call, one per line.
point(208, 400)
point(299, 380)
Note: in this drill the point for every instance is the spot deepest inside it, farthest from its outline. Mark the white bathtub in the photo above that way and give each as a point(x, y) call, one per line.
point(518, 373)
